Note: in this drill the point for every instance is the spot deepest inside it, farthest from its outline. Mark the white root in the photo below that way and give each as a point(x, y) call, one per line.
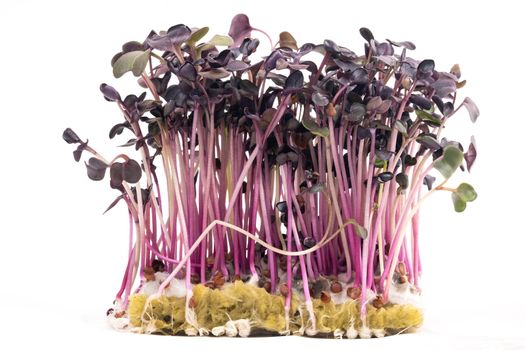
point(339, 333)
point(218, 331)
point(243, 327)
point(365, 333)
point(230, 329)
point(351, 332)
point(378, 332)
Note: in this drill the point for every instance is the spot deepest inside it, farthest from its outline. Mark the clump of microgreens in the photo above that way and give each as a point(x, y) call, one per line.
point(280, 166)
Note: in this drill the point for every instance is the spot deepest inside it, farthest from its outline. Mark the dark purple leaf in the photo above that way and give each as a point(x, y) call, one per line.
point(116, 175)
point(426, 67)
point(113, 203)
point(188, 72)
point(271, 61)
point(130, 142)
point(404, 44)
point(429, 141)
point(309, 242)
point(109, 92)
point(249, 46)
point(402, 180)
point(294, 81)
point(355, 113)
point(117, 129)
point(281, 206)
point(96, 169)
point(421, 101)
point(444, 87)
point(70, 136)
point(178, 34)
point(78, 152)
point(384, 155)
point(345, 65)
point(131, 171)
point(331, 47)
point(234, 66)
point(359, 76)
point(366, 34)
point(240, 29)
point(429, 181)
point(385, 177)
point(162, 43)
point(363, 133)
point(471, 154)
point(448, 108)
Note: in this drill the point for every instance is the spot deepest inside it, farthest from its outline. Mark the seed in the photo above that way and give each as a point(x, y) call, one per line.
point(336, 287)
point(330, 110)
point(353, 292)
point(325, 297)
point(192, 303)
point(402, 268)
point(218, 280)
point(149, 273)
point(157, 265)
point(379, 302)
point(284, 290)
point(195, 279)
point(267, 285)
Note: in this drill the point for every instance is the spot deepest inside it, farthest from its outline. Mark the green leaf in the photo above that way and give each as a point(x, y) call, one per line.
point(126, 63)
point(140, 63)
point(459, 204)
point(287, 40)
point(221, 40)
point(450, 160)
point(466, 192)
point(428, 117)
point(315, 129)
point(197, 35)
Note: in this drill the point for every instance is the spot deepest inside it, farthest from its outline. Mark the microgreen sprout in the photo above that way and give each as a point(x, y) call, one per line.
point(299, 174)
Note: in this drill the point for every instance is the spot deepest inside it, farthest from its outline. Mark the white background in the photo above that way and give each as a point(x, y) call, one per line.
point(62, 261)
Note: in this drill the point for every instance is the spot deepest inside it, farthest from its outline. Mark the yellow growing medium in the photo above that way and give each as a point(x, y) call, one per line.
point(215, 307)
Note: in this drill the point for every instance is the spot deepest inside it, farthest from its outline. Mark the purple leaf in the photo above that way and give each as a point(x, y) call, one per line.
point(294, 81)
point(234, 66)
point(109, 92)
point(131, 171)
point(366, 34)
point(471, 154)
point(178, 34)
point(404, 44)
point(188, 72)
point(70, 136)
point(471, 108)
point(240, 29)
point(96, 169)
point(113, 203)
point(162, 43)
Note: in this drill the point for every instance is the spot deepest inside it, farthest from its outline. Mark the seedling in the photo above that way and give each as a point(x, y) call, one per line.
point(276, 194)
